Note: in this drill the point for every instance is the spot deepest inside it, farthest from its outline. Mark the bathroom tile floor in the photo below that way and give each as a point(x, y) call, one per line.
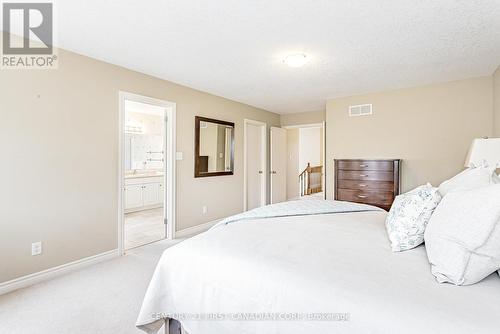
point(143, 227)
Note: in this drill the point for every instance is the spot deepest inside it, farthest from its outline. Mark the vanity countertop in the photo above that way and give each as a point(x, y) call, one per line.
point(142, 175)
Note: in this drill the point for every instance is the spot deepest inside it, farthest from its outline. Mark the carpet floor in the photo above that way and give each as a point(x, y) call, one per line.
point(103, 298)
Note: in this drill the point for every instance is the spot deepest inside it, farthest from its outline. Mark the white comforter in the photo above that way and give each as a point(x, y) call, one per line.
point(333, 263)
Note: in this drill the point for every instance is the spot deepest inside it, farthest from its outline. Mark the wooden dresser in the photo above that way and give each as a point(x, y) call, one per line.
point(374, 182)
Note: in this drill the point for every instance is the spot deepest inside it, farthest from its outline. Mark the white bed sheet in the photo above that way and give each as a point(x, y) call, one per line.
point(335, 263)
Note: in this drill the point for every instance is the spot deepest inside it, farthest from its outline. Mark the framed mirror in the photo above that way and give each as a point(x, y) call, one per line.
point(214, 147)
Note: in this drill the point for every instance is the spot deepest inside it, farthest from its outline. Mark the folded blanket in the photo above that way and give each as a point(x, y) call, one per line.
point(298, 208)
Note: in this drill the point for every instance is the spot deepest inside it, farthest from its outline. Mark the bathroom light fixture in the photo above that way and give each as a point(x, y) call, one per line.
point(296, 60)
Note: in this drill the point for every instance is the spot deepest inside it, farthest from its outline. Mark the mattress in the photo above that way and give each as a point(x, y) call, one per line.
point(329, 273)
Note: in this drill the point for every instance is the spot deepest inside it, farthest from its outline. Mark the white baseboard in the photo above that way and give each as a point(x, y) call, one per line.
point(196, 229)
point(44, 275)
point(143, 208)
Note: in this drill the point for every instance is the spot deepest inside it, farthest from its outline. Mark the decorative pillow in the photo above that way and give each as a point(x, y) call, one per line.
point(463, 236)
point(409, 215)
point(471, 178)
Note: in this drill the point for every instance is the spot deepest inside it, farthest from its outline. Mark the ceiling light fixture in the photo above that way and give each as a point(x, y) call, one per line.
point(296, 60)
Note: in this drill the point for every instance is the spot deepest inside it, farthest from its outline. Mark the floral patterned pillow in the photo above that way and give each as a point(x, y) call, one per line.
point(409, 216)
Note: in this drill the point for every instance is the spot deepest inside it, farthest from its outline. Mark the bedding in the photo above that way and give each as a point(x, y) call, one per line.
point(463, 236)
point(409, 216)
point(329, 264)
point(471, 178)
point(298, 208)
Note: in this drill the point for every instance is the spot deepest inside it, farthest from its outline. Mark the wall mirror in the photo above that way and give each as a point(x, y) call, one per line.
point(214, 147)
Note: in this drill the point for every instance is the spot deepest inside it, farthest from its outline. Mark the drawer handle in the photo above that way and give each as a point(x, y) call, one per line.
point(361, 196)
point(363, 175)
point(363, 166)
point(362, 185)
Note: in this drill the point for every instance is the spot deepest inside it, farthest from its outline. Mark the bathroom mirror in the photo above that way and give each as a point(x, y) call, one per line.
point(214, 147)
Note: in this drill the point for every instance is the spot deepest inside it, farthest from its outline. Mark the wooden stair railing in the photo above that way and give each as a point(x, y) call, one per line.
point(311, 180)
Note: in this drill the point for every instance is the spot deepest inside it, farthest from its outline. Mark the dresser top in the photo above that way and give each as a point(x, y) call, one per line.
point(368, 159)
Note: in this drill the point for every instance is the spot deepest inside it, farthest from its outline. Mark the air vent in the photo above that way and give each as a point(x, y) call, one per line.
point(360, 110)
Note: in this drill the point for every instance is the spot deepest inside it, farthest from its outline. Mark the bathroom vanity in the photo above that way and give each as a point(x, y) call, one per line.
point(143, 191)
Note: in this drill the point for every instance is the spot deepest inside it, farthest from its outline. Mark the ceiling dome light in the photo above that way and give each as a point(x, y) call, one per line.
point(296, 60)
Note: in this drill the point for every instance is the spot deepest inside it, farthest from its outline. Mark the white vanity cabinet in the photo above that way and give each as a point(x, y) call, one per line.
point(133, 196)
point(141, 193)
point(150, 194)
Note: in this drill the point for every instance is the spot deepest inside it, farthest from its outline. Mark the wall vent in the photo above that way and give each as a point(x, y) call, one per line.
point(360, 110)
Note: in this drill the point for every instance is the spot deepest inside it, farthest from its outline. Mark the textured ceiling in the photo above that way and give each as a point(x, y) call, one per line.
point(235, 48)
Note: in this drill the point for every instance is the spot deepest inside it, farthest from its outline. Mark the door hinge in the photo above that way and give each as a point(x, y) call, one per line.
point(165, 221)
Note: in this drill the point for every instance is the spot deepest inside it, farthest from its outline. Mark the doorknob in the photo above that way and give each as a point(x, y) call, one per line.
point(260, 172)
point(273, 172)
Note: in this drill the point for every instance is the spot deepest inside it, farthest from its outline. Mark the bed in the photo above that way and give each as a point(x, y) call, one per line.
point(320, 272)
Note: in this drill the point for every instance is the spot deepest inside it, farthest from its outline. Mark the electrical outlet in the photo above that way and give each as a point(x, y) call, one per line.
point(36, 248)
point(204, 209)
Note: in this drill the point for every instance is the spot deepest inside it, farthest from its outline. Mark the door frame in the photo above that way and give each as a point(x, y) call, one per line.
point(169, 195)
point(263, 133)
point(323, 139)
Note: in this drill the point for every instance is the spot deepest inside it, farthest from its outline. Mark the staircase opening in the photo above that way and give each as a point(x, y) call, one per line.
point(305, 165)
point(311, 180)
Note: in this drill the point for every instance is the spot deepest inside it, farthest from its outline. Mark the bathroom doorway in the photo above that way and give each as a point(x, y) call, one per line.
point(147, 134)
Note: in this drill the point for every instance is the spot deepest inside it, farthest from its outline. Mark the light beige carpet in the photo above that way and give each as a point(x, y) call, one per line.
point(103, 298)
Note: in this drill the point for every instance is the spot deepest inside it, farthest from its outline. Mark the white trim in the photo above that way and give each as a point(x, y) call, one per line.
point(142, 208)
point(299, 126)
point(196, 229)
point(50, 273)
point(170, 162)
point(271, 164)
point(324, 160)
point(263, 194)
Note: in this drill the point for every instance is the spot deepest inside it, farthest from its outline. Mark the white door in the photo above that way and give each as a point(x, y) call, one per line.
point(150, 194)
point(133, 196)
point(278, 164)
point(255, 164)
point(161, 197)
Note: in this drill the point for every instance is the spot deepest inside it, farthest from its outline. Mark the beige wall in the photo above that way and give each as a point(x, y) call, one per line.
point(292, 166)
point(69, 118)
point(496, 87)
point(302, 118)
point(209, 144)
point(429, 127)
point(310, 147)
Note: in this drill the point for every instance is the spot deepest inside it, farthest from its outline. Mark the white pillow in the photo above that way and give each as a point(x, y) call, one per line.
point(409, 216)
point(463, 236)
point(471, 178)
point(496, 178)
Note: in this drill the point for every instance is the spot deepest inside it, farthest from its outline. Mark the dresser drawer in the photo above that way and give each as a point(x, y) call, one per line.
point(369, 175)
point(382, 198)
point(366, 185)
point(366, 165)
